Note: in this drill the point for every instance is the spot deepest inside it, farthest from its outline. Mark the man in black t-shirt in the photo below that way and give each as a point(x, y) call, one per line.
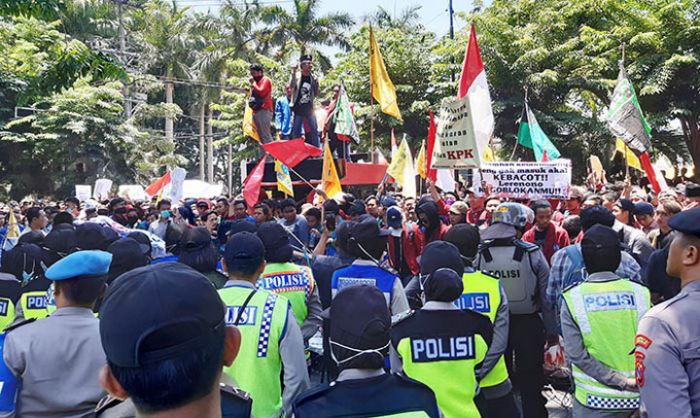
point(304, 89)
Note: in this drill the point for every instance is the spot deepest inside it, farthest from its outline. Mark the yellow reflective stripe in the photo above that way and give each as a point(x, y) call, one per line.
point(579, 310)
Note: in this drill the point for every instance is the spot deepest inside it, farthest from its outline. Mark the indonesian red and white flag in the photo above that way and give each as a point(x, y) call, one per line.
point(473, 84)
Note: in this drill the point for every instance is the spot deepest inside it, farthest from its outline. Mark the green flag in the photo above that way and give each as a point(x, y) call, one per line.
point(530, 135)
point(344, 121)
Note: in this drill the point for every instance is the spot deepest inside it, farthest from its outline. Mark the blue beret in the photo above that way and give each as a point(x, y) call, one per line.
point(81, 263)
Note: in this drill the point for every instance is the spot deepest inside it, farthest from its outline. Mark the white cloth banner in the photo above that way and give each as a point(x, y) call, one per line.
point(83, 192)
point(102, 188)
point(132, 192)
point(455, 141)
point(526, 180)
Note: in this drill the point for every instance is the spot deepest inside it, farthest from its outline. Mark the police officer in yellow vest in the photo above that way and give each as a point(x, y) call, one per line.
point(599, 321)
point(441, 345)
point(293, 281)
point(271, 342)
point(483, 293)
point(24, 262)
point(359, 341)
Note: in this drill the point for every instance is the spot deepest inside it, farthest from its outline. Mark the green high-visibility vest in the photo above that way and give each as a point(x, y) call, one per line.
point(7, 312)
point(258, 368)
point(35, 305)
point(607, 313)
point(482, 294)
point(296, 283)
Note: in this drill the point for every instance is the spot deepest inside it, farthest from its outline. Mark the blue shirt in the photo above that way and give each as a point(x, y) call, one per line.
point(300, 229)
point(283, 116)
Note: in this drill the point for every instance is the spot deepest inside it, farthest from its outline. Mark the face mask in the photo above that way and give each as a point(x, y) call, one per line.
point(133, 219)
point(357, 352)
point(165, 214)
point(449, 201)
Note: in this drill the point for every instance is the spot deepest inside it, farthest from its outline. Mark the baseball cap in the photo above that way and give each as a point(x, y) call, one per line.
point(444, 285)
point(394, 220)
point(366, 229)
point(61, 241)
point(195, 239)
point(600, 239)
point(361, 329)
point(89, 263)
point(357, 208)
point(127, 254)
point(625, 204)
point(692, 190)
point(158, 312)
point(388, 201)
point(244, 246)
point(143, 239)
point(274, 238)
point(305, 58)
point(459, 207)
point(643, 208)
point(596, 215)
point(440, 254)
point(93, 236)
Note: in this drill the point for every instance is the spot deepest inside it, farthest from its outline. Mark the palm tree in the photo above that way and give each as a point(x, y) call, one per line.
point(303, 29)
point(219, 38)
point(408, 20)
point(165, 33)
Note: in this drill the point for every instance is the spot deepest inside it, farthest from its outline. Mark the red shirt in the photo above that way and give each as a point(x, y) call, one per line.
point(555, 239)
point(263, 88)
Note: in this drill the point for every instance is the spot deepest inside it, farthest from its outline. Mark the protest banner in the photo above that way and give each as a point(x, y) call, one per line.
point(83, 192)
point(102, 188)
point(455, 141)
point(177, 179)
point(526, 180)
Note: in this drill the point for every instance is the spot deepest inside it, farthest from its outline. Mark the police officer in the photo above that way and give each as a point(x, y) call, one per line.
point(523, 272)
point(359, 341)
point(272, 348)
point(57, 358)
point(367, 242)
point(441, 345)
point(599, 319)
point(20, 266)
point(166, 341)
point(667, 353)
point(292, 281)
point(483, 293)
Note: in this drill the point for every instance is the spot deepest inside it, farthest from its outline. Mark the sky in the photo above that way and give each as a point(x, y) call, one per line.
point(433, 13)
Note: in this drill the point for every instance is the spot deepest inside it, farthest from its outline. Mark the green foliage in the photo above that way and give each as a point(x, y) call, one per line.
point(40, 9)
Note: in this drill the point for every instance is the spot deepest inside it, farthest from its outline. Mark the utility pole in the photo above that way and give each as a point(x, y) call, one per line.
point(452, 33)
point(122, 54)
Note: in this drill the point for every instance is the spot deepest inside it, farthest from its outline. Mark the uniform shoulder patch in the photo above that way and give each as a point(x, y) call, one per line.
point(230, 390)
point(527, 246)
point(401, 317)
point(19, 324)
point(643, 341)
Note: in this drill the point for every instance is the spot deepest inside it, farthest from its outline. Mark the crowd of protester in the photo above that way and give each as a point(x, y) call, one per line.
point(122, 255)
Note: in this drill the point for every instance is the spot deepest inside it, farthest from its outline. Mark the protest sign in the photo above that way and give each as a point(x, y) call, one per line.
point(177, 179)
point(132, 192)
point(526, 180)
point(83, 192)
point(102, 188)
point(455, 141)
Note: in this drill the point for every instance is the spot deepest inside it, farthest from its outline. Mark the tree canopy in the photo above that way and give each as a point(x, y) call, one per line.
point(77, 101)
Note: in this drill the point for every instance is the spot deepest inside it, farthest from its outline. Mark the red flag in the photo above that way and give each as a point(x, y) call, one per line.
point(157, 185)
point(252, 183)
point(472, 66)
point(649, 170)
point(291, 152)
point(432, 131)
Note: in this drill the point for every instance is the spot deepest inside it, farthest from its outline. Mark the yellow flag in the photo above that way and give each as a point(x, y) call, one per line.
point(284, 180)
point(420, 162)
point(488, 156)
point(330, 183)
point(632, 159)
point(12, 226)
point(249, 128)
point(398, 163)
point(382, 88)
